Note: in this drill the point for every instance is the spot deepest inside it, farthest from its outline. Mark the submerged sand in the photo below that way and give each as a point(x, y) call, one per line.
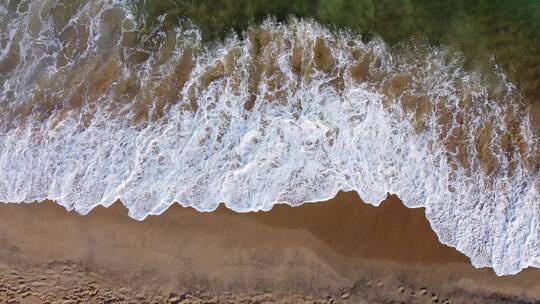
point(342, 249)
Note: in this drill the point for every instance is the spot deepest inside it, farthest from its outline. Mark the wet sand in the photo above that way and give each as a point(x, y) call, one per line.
point(341, 249)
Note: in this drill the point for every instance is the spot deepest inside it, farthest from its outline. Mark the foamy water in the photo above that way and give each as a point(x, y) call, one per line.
point(93, 112)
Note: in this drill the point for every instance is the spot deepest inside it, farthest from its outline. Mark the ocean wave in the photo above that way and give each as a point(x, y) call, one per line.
point(93, 111)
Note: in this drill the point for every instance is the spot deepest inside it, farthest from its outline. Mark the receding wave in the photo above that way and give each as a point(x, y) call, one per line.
point(94, 111)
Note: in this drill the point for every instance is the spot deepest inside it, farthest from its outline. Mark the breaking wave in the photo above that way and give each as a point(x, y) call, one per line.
point(94, 111)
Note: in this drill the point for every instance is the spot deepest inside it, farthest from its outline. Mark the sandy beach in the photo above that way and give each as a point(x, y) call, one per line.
point(341, 251)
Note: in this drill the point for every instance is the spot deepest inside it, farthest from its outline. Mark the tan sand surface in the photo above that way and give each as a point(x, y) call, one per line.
point(343, 249)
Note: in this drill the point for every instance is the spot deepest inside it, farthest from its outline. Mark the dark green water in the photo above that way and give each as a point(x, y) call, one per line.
point(508, 31)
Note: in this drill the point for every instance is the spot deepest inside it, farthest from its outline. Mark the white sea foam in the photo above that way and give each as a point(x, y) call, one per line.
point(71, 131)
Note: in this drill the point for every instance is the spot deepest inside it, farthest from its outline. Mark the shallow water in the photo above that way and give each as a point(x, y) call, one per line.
point(508, 31)
point(96, 107)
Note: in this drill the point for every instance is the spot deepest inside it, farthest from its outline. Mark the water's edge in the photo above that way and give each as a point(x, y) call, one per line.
point(231, 207)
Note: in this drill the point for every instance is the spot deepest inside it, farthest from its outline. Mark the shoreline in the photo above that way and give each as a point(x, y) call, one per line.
point(316, 249)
